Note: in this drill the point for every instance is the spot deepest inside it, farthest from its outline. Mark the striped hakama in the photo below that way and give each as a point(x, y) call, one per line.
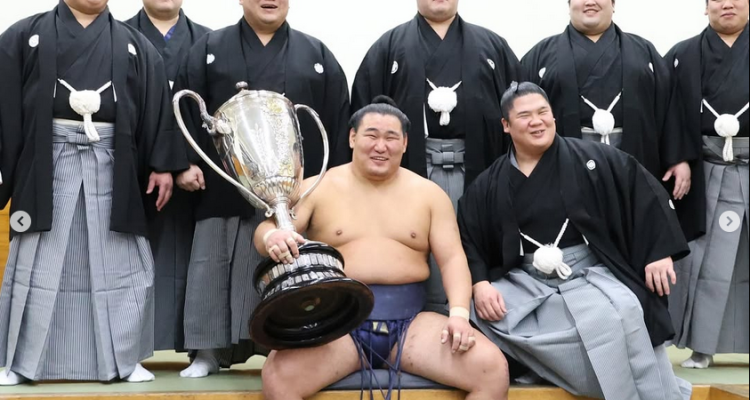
point(171, 238)
point(709, 305)
point(586, 334)
point(445, 167)
point(220, 294)
point(77, 301)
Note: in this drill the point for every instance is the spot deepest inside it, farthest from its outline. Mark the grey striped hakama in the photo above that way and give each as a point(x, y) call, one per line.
point(709, 305)
point(615, 138)
point(77, 301)
point(445, 167)
point(171, 238)
point(586, 334)
point(220, 294)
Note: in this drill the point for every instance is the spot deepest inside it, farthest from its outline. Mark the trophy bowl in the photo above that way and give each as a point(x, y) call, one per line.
point(319, 302)
point(309, 302)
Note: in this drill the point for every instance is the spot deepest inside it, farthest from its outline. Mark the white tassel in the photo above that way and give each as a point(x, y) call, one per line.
point(603, 121)
point(549, 258)
point(86, 103)
point(443, 100)
point(604, 124)
point(726, 126)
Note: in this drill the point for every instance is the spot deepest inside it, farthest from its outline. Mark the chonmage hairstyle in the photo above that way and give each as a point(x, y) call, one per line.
point(517, 90)
point(382, 105)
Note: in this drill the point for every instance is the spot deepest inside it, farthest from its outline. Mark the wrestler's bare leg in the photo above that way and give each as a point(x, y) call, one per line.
point(482, 371)
point(320, 367)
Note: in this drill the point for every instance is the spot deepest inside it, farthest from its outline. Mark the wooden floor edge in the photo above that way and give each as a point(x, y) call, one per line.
point(729, 392)
point(699, 393)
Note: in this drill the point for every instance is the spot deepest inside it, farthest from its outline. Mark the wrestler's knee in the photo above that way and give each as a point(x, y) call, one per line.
point(276, 383)
point(489, 372)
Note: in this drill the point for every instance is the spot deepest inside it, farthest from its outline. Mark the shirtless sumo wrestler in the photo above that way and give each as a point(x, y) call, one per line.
point(384, 220)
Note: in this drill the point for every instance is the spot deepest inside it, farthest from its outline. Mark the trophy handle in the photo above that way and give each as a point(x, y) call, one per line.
point(326, 150)
point(215, 127)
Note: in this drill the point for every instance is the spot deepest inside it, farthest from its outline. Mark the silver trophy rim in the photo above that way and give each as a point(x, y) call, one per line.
point(255, 94)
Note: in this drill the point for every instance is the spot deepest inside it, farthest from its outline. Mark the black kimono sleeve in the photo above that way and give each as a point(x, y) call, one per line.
point(163, 144)
point(371, 76)
point(674, 143)
point(529, 64)
point(473, 221)
point(336, 113)
point(11, 103)
point(192, 76)
point(651, 228)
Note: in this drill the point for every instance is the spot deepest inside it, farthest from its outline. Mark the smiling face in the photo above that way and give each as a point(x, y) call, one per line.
point(378, 146)
point(438, 10)
point(727, 16)
point(268, 15)
point(531, 124)
point(591, 17)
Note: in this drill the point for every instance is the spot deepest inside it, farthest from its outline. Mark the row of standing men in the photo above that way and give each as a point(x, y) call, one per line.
point(604, 84)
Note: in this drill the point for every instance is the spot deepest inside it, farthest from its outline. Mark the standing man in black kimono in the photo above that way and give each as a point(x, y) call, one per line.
point(86, 133)
point(611, 87)
point(710, 303)
point(265, 53)
point(571, 247)
point(167, 27)
point(447, 76)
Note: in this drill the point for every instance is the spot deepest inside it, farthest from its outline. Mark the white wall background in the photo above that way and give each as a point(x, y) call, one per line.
point(349, 27)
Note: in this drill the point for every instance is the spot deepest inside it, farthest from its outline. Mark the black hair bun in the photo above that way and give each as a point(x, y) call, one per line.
point(383, 99)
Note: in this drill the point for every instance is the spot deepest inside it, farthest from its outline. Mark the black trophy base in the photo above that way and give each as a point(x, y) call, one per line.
point(308, 303)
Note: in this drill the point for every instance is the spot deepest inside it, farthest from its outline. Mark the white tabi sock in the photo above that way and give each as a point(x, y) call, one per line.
point(10, 378)
point(140, 374)
point(205, 364)
point(698, 361)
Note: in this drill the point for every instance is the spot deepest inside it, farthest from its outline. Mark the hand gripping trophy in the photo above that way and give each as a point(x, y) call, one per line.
point(257, 136)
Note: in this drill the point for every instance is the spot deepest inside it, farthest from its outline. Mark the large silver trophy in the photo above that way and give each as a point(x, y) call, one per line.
point(257, 136)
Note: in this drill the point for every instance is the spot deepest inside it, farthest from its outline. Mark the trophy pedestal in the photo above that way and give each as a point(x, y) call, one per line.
point(308, 303)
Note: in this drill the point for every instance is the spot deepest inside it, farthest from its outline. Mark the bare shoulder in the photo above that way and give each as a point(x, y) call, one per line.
point(423, 188)
point(333, 181)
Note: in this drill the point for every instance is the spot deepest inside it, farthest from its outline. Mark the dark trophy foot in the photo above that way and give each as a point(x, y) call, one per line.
point(308, 303)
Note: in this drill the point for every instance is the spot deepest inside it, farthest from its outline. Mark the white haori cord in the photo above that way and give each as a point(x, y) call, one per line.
point(443, 100)
point(727, 126)
point(86, 103)
point(603, 121)
point(549, 258)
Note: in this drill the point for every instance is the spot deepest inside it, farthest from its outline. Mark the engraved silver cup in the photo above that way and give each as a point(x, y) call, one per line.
point(258, 140)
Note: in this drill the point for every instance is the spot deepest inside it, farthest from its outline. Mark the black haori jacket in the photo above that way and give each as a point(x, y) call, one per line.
point(173, 51)
point(651, 133)
point(610, 198)
point(144, 141)
point(685, 60)
point(394, 67)
point(212, 68)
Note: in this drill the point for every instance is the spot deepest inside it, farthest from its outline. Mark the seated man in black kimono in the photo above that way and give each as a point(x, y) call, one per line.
point(571, 246)
point(385, 220)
